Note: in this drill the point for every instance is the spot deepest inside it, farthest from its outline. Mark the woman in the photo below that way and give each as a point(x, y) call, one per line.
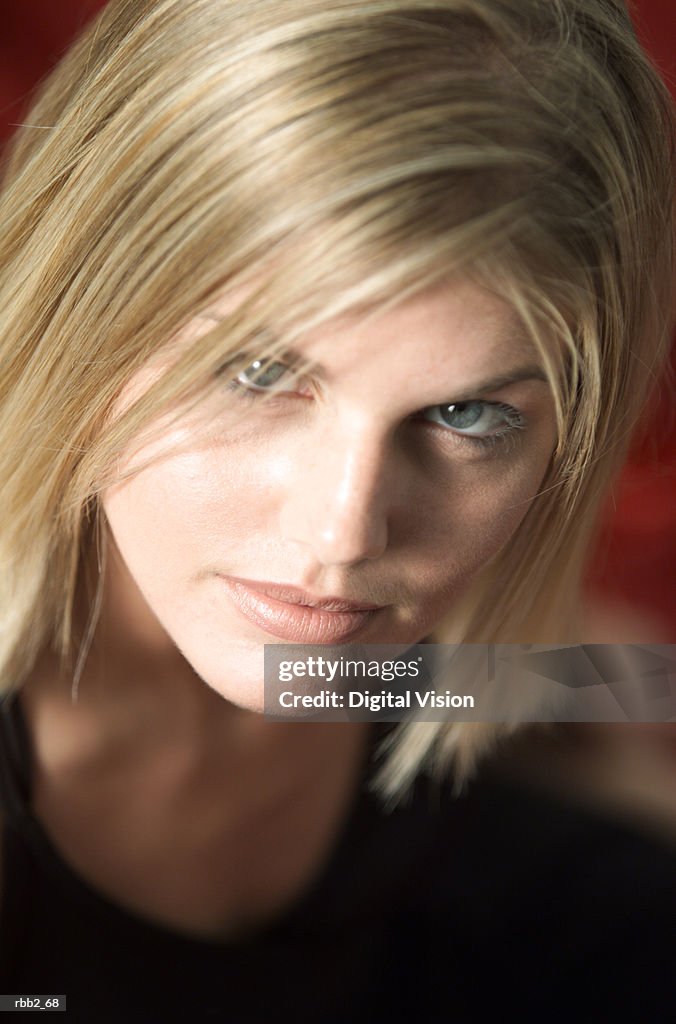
point(323, 322)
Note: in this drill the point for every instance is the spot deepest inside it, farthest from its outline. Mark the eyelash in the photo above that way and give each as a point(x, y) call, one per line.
point(501, 438)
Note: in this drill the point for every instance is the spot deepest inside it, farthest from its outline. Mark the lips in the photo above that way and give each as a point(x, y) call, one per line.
point(294, 595)
point(292, 614)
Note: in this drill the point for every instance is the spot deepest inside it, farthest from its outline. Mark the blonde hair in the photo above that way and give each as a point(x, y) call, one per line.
point(357, 152)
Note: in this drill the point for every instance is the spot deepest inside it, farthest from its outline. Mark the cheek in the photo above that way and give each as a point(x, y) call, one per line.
point(186, 511)
point(469, 520)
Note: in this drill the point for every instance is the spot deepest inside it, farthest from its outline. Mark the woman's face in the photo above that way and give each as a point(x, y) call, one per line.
point(385, 476)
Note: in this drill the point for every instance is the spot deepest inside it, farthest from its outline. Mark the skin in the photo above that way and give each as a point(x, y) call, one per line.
point(346, 485)
point(350, 484)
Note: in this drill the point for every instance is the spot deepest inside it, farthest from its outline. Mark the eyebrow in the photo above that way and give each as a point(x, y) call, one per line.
point(518, 375)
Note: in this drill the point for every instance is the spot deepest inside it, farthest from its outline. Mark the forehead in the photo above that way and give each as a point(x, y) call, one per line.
point(451, 320)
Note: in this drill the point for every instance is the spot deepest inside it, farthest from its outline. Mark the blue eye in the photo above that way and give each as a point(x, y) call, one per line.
point(261, 374)
point(477, 421)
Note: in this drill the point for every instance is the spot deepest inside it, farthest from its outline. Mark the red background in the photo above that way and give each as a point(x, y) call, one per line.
point(635, 562)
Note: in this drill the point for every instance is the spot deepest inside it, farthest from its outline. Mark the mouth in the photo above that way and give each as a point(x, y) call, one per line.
point(289, 613)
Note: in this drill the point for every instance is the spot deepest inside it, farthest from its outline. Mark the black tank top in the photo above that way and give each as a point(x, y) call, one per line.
point(447, 909)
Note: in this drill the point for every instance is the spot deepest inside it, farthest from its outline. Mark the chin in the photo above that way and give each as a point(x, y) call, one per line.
point(246, 696)
point(235, 675)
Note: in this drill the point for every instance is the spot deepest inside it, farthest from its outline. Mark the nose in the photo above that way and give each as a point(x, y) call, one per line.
point(338, 501)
